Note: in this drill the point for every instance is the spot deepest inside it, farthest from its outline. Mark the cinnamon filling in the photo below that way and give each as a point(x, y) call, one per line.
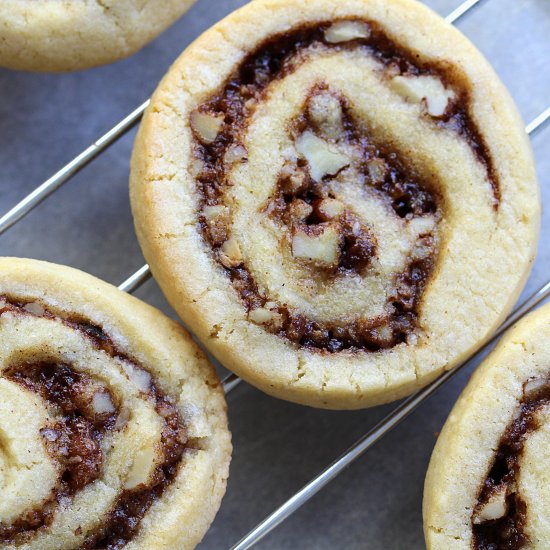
point(504, 528)
point(85, 411)
point(343, 244)
point(74, 440)
point(131, 505)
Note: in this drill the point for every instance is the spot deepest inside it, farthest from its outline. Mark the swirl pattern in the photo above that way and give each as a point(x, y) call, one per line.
point(95, 441)
point(337, 194)
point(486, 485)
point(336, 170)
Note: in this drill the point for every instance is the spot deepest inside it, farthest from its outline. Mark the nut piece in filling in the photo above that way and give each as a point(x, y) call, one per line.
point(318, 244)
point(494, 507)
point(322, 159)
point(230, 253)
point(206, 126)
point(344, 31)
point(428, 89)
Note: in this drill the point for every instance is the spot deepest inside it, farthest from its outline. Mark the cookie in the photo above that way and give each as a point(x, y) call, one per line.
point(338, 197)
point(67, 35)
point(487, 484)
point(113, 428)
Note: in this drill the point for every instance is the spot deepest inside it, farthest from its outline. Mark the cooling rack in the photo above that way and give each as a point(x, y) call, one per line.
point(395, 414)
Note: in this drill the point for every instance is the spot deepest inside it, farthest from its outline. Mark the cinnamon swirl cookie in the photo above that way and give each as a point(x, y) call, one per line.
point(66, 35)
point(487, 484)
point(339, 197)
point(113, 429)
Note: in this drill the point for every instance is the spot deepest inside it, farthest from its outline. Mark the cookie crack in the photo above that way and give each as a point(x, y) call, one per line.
point(106, 9)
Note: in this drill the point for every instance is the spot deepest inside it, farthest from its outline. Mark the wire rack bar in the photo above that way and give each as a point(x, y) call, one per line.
point(230, 382)
point(537, 123)
point(465, 7)
point(132, 283)
point(62, 176)
point(391, 420)
point(141, 275)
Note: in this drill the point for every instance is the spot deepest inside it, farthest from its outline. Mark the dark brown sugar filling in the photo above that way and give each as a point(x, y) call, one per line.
point(74, 439)
point(380, 170)
point(406, 192)
point(508, 532)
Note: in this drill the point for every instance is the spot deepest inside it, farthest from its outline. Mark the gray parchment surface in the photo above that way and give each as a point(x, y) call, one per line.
point(47, 119)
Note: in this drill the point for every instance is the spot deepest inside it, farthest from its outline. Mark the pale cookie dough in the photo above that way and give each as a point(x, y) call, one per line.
point(339, 198)
point(67, 35)
point(487, 486)
point(113, 426)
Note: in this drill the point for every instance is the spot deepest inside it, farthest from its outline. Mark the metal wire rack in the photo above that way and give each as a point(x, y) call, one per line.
point(391, 420)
